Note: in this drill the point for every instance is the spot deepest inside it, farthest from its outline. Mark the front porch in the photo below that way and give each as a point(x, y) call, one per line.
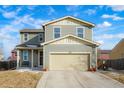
point(29, 69)
point(31, 58)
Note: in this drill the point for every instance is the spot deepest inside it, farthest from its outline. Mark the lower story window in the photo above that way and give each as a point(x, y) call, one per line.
point(25, 55)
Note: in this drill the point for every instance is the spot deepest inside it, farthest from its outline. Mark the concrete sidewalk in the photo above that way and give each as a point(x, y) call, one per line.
point(77, 79)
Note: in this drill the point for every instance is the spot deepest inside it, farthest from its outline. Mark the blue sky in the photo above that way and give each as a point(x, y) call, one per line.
point(109, 21)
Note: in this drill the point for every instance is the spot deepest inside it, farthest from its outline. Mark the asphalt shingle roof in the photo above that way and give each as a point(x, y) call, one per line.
point(32, 30)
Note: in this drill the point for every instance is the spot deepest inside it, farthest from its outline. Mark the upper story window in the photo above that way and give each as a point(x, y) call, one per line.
point(25, 55)
point(56, 32)
point(25, 37)
point(80, 32)
point(40, 37)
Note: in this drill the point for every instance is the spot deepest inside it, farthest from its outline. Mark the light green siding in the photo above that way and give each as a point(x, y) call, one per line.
point(88, 33)
point(31, 35)
point(67, 48)
point(65, 30)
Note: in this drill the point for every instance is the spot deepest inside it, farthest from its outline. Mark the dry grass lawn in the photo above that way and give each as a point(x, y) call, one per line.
point(115, 75)
point(14, 79)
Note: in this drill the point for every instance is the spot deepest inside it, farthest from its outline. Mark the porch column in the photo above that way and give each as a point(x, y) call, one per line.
point(96, 57)
point(32, 58)
point(17, 59)
point(38, 58)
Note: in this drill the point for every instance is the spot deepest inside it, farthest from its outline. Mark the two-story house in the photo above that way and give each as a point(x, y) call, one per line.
point(62, 44)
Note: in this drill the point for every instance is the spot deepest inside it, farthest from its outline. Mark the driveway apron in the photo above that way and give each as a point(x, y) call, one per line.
point(76, 79)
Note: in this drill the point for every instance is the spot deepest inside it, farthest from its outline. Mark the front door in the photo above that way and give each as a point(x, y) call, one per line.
point(41, 58)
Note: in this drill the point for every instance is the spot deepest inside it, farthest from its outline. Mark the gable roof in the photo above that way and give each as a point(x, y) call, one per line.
point(82, 21)
point(82, 39)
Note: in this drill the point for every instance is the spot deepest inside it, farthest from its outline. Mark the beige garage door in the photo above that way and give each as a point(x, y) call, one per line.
point(69, 62)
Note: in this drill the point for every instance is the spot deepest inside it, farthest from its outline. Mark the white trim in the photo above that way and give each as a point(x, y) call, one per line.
point(29, 48)
point(83, 31)
point(54, 33)
point(92, 33)
point(91, 59)
point(45, 33)
point(24, 37)
point(44, 56)
point(71, 18)
point(32, 58)
point(96, 57)
point(97, 44)
point(18, 58)
point(38, 58)
point(69, 52)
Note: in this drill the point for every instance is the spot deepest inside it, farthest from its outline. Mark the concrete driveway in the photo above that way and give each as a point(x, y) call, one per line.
point(76, 79)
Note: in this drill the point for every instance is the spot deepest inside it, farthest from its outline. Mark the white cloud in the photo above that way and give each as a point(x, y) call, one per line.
point(6, 6)
point(110, 36)
point(72, 7)
point(28, 20)
point(100, 41)
point(51, 10)
point(9, 33)
point(19, 9)
point(114, 17)
point(108, 41)
point(20, 23)
point(10, 14)
point(101, 6)
point(117, 7)
point(9, 38)
point(31, 7)
point(104, 24)
point(76, 14)
point(90, 11)
point(8, 45)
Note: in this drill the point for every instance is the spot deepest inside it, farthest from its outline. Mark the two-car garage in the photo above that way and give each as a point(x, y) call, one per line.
point(69, 53)
point(69, 61)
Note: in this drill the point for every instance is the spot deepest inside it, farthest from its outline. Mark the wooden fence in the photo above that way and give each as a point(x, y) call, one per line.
point(117, 64)
point(7, 65)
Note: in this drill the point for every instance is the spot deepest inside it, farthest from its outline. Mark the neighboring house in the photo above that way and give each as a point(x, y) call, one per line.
point(104, 55)
point(118, 51)
point(1, 55)
point(13, 56)
point(63, 44)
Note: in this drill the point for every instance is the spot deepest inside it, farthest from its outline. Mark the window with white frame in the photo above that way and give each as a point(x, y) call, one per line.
point(25, 37)
point(40, 37)
point(25, 55)
point(80, 32)
point(56, 32)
